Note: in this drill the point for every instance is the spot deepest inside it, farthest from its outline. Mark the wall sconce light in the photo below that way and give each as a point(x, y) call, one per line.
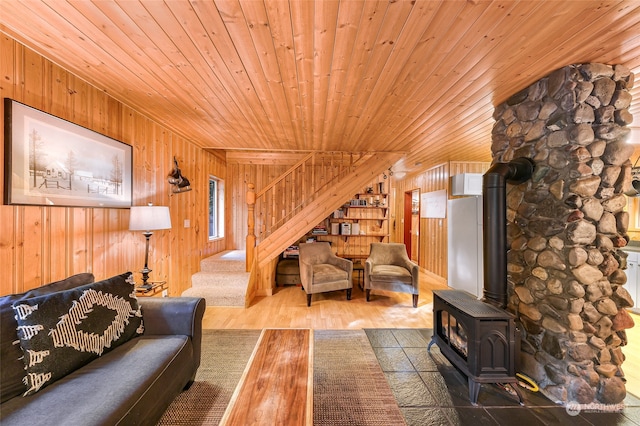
point(148, 219)
point(384, 174)
point(179, 182)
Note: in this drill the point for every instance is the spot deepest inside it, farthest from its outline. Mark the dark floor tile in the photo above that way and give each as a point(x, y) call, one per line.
point(382, 338)
point(409, 390)
point(457, 388)
point(536, 399)
point(410, 338)
point(440, 391)
point(430, 391)
point(462, 416)
point(437, 357)
point(421, 359)
point(558, 416)
point(393, 359)
point(424, 417)
point(520, 416)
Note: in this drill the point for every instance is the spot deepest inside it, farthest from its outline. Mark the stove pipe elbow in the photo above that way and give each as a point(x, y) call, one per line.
point(494, 191)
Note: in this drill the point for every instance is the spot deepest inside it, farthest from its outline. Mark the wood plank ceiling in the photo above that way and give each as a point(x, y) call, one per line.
point(420, 77)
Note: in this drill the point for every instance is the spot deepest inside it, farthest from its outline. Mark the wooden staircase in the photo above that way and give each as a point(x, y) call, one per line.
point(264, 249)
point(222, 280)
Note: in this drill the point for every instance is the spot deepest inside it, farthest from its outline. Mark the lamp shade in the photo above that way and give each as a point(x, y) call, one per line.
point(149, 218)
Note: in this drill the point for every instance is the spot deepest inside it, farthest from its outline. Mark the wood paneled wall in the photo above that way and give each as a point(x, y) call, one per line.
point(433, 232)
point(42, 244)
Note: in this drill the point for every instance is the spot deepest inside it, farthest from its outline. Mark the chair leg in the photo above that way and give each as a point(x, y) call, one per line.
point(348, 294)
point(415, 300)
point(308, 299)
point(368, 294)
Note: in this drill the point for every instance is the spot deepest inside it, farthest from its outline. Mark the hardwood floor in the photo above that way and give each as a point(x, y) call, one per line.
point(287, 309)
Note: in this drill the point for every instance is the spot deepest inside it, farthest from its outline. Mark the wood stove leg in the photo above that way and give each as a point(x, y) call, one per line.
point(433, 340)
point(516, 388)
point(474, 390)
point(415, 300)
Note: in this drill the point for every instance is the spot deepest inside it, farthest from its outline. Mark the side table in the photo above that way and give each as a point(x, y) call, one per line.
point(152, 288)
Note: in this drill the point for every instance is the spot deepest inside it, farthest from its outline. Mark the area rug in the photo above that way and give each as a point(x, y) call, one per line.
point(225, 353)
point(349, 386)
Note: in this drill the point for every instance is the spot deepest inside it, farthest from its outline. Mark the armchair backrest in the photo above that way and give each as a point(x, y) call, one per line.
point(388, 254)
point(315, 253)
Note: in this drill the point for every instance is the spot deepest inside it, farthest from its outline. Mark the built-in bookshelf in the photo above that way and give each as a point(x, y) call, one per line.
point(355, 225)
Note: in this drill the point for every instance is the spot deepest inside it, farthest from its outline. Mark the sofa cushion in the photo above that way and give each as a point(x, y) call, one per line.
point(325, 273)
point(62, 331)
point(131, 385)
point(12, 370)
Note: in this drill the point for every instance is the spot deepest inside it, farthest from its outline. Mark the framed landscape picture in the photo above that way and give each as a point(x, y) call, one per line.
point(53, 162)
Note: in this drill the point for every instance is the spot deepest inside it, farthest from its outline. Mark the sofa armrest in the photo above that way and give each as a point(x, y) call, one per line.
point(173, 316)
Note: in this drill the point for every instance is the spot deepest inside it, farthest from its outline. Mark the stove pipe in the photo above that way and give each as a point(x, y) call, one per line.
point(494, 191)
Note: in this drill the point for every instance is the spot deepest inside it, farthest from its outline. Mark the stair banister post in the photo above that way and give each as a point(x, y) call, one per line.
point(251, 221)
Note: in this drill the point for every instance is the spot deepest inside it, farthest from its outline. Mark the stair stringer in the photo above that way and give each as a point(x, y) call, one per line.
point(329, 200)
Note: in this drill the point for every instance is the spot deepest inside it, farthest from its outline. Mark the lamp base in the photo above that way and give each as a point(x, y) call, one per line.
point(145, 276)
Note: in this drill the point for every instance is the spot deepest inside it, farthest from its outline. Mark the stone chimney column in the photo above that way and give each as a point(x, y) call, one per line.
point(566, 227)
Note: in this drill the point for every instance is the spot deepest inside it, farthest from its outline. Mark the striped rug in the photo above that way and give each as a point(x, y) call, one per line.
point(349, 386)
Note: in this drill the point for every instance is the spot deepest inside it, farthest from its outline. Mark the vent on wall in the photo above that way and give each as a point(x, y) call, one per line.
point(466, 184)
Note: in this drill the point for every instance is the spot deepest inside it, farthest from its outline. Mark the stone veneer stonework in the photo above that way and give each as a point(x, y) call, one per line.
point(566, 227)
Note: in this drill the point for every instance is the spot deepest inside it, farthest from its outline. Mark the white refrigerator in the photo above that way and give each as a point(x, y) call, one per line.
point(464, 231)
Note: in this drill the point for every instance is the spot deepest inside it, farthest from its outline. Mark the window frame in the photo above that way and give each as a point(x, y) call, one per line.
point(215, 194)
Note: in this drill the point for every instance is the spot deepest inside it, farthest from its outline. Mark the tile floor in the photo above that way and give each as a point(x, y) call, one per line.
point(430, 391)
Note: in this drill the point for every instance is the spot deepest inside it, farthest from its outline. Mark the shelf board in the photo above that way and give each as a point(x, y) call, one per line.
point(346, 237)
point(338, 220)
point(349, 206)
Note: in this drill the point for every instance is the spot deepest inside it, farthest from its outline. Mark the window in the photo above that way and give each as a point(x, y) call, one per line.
point(216, 208)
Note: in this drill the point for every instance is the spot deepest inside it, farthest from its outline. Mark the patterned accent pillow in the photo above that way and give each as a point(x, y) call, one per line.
point(12, 371)
point(60, 332)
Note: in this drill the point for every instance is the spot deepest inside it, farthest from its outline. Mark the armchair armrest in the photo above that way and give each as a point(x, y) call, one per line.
point(306, 273)
point(340, 262)
point(410, 265)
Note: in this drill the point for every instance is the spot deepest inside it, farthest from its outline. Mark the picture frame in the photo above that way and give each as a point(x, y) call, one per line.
point(53, 162)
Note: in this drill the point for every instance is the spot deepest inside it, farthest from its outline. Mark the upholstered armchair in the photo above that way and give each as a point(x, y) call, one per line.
point(321, 270)
point(389, 268)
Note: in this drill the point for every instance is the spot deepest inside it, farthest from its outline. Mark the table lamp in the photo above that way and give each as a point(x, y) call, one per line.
point(148, 219)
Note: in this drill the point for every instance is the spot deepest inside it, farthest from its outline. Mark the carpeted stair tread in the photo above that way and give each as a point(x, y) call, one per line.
point(226, 261)
point(216, 297)
point(220, 279)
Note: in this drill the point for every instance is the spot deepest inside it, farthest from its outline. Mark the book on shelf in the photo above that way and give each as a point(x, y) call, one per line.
point(319, 230)
point(291, 251)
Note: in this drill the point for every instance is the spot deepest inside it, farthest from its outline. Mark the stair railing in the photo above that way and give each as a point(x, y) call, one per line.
point(272, 206)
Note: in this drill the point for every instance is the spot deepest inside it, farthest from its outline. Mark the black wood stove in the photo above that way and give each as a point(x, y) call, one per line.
point(477, 338)
point(480, 337)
